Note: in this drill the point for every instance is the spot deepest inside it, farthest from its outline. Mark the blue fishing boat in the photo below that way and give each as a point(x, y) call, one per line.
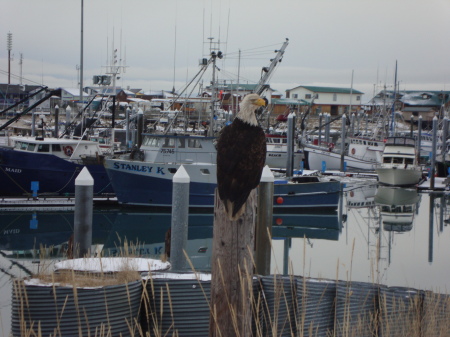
point(144, 178)
point(49, 166)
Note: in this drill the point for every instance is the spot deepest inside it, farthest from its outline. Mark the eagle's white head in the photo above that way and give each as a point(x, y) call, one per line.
point(249, 104)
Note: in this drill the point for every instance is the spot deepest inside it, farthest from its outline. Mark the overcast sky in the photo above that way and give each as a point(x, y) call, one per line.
point(161, 42)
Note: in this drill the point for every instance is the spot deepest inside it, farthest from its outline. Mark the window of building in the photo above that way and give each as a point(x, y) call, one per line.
point(358, 98)
point(334, 97)
point(295, 96)
point(307, 96)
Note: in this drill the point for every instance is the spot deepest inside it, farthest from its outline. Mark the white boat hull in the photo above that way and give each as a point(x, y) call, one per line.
point(333, 161)
point(395, 176)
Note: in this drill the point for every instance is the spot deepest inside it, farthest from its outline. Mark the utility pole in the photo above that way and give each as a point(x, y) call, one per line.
point(9, 47)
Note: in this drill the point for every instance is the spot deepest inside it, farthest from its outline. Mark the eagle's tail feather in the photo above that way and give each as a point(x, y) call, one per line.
point(232, 213)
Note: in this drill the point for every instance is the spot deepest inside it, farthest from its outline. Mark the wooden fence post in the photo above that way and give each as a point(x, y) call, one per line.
point(232, 271)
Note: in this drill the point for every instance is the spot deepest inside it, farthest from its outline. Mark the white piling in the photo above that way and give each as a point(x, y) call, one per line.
point(433, 153)
point(320, 129)
point(290, 145)
point(343, 137)
point(419, 134)
point(68, 116)
point(327, 128)
point(56, 132)
point(84, 192)
point(444, 142)
point(180, 217)
point(263, 232)
point(127, 129)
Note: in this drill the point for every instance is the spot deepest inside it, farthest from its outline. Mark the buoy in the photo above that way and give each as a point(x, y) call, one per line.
point(279, 221)
point(353, 151)
point(280, 200)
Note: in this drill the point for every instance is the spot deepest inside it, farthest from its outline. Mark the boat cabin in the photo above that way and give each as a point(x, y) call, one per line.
point(63, 148)
point(185, 149)
point(400, 152)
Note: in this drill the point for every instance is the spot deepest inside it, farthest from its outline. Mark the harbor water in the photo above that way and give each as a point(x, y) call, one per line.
point(391, 236)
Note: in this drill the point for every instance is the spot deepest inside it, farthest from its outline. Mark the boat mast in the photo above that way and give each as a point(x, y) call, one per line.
point(81, 56)
point(392, 133)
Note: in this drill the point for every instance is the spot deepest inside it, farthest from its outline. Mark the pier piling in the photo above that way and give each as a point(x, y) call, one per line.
point(84, 192)
point(180, 217)
point(263, 235)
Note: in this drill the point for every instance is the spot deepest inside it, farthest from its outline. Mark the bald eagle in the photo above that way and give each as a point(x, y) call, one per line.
point(241, 154)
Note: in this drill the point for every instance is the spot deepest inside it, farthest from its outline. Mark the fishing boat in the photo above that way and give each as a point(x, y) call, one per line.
point(400, 166)
point(277, 152)
point(144, 178)
point(364, 154)
point(49, 166)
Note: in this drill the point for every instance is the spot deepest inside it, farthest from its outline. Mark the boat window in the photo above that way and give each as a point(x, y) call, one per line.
point(56, 147)
point(31, 147)
point(169, 142)
point(204, 171)
point(181, 143)
point(194, 143)
point(408, 209)
point(43, 148)
point(387, 160)
point(151, 141)
point(397, 160)
point(409, 161)
point(24, 146)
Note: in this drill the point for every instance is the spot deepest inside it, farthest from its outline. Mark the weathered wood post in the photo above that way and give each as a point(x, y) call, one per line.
point(232, 271)
point(84, 192)
point(263, 236)
point(180, 217)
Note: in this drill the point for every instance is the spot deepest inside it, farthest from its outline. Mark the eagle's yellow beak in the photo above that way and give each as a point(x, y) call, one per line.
point(260, 102)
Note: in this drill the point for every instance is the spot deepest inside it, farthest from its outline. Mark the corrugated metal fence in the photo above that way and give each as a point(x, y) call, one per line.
point(178, 305)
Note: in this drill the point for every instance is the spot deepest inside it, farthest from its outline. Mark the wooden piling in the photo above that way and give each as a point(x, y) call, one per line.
point(232, 271)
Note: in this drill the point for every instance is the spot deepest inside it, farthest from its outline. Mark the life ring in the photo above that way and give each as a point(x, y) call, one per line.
point(353, 151)
point(330, 146)
point(68, 150)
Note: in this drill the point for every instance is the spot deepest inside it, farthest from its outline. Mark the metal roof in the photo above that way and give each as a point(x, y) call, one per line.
point(289, 101)
point(330, 89)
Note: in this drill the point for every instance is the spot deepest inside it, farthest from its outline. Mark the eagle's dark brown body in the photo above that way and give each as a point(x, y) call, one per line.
point(241, 155)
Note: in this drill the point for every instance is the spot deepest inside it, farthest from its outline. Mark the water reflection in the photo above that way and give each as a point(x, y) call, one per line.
point(384, 223)
point(397, 207)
